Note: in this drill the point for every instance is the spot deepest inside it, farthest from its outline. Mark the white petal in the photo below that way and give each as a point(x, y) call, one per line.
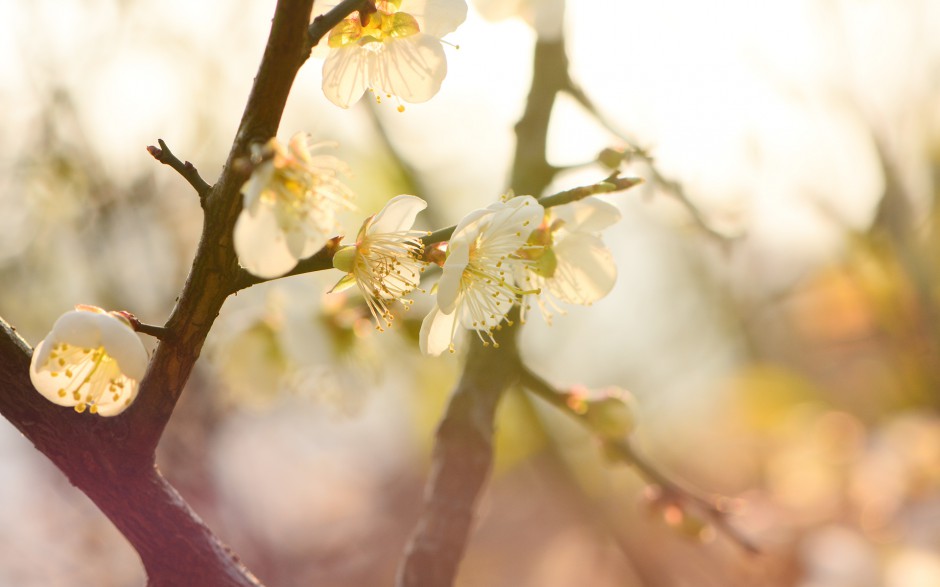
point(398, 214)
point(499, 9)
point(548, 18)
point(585, 272)
point(511, 225)
point(256, 184)
point(303, 242)
point(437, 332)
point(448, 288)
point(437, 17)
point(124, 346)
point(260, 245)
point(411, 68)
point(346, 74)
point(468, 227)
point(588, 215)
point(78, 328)
point(108, 407)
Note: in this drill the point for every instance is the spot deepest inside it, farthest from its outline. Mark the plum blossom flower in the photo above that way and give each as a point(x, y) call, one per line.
point(290, 205)
point(477, 287)
point(91, 360)
point(545, 16)
point(394, 50)
point(572, 264)
point(384, 263)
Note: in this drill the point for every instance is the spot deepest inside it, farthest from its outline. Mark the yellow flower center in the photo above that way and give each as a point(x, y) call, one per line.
point(384, 24)
point(91, 370)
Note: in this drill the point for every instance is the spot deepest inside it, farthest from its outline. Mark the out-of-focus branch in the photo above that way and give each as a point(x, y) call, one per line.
point(463, 455)
point(186, 169)
point(714, 508)
point(637, 153)
point(463, 451)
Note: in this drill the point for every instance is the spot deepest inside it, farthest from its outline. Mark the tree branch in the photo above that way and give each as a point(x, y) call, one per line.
point(463, 455)
point(323, 259)
point(670, 186)
point(112, 459)
point(175, 547)
point(322, 24)
point(714, 508)
point(187, 169)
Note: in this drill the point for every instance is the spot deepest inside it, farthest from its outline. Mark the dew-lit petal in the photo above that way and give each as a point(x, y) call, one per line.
point(411, 68)
point(585, 272)
point(261, 246)
point(347, 74)
point(437, 17)
point(398, 214)
point(437, 332)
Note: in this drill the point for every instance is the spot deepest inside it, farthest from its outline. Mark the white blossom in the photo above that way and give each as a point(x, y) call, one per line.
point(572, 264)
point(545, 16)
point(394, 51)
point(91, 360)
point(290, 206)
point(385, 261)
point(477, 287)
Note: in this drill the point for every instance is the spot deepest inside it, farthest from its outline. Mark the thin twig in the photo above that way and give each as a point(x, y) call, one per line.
point(710, 506)
point(323, 259)
point(611, 184)
point(319, 261)
point(184, 168)
point(670, 186)
point(322, 24)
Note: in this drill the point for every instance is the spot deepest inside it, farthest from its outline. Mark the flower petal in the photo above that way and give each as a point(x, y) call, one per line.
point(78, 328)
point(346, 74)
point(260, 245)
point(585, 272)
point(411, 68)
point(437, 17)
point(588, 215)
point(437, 332)
point(124, 346)
point(448, 287)
point(256, 185)
point(398, 214)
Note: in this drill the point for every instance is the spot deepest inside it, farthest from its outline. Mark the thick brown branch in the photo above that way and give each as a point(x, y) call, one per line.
point(112, 459)
point(176, 548)
point(186, 169)
point(215, 267)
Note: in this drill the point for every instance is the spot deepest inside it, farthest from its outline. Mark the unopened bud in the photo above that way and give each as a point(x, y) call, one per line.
point(612, 416)
point(612, 158)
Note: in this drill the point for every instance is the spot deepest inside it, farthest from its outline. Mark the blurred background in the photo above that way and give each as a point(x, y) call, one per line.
point(786, 354)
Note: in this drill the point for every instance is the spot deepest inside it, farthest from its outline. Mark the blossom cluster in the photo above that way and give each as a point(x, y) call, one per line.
point(505, 254)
